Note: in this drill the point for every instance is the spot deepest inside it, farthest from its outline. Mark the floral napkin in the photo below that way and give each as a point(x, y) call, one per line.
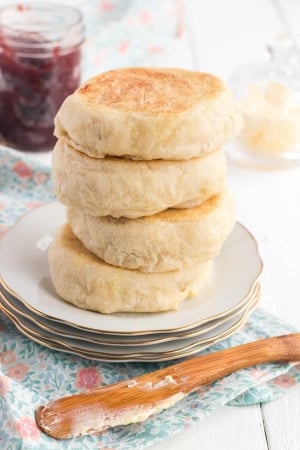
point(31, 375)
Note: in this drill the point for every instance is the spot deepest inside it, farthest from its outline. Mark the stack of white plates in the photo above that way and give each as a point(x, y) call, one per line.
point(28, 299)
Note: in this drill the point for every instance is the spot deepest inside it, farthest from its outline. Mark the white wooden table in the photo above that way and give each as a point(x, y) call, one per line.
point(220, 35)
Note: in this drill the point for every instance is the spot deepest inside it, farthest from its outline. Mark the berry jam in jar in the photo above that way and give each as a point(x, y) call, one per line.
point(40, 54)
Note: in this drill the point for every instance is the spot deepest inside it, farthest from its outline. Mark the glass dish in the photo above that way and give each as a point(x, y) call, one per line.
point(269, 96)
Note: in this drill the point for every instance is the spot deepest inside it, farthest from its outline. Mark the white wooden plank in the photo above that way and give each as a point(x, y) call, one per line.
point(223, 35)
point(282, 421)
point(229, 428)
point(264, 200)
point(289, 14)
point(266, 204)
point(228, 33)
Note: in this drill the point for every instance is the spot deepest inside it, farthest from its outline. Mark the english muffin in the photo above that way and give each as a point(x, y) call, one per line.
point(124, 188)
point(86, 281)
point(170, 240)
point(149, 113)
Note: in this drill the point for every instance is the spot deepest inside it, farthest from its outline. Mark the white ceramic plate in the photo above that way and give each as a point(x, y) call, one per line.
point(132, 350)
point(89, 352)
point(24, 272)
point(60, 329)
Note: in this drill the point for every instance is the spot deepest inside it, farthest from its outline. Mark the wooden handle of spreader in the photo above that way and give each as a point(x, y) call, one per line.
point(135, 400)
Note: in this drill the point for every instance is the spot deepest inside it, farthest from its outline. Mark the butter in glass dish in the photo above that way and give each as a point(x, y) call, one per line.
point(268, 95)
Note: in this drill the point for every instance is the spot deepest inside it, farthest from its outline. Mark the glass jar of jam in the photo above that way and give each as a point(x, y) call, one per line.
point(40, 55)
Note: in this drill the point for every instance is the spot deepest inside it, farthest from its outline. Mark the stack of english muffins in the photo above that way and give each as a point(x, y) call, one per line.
point(140, 166)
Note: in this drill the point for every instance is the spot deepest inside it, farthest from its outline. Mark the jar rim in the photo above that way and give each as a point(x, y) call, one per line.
point(46, 24)
point(26, 7)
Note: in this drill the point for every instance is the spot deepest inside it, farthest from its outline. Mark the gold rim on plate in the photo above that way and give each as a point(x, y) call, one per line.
point(100, 341)
point(159, 356)
point(167, 358)
point(64, 345)
point(143, 332)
